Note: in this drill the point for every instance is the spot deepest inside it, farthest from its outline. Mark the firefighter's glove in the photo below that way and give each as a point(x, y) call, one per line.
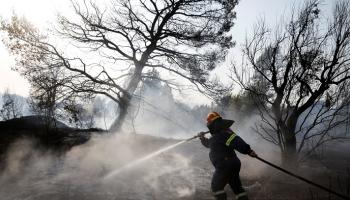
point(252, 154)
point(201, 135)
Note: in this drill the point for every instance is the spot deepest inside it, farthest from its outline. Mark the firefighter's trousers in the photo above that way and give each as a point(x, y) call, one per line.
point(227, 173)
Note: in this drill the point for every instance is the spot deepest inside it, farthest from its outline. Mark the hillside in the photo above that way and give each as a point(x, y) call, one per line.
point(58, 138)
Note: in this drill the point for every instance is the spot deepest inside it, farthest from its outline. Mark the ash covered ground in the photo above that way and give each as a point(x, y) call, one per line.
point(181, 173)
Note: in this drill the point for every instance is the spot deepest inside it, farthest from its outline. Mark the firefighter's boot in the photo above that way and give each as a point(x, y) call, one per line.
point(220, 195)
point(242, 196)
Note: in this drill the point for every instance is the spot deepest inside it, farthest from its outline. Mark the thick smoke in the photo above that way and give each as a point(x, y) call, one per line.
point(79, 174)
point(181, 173)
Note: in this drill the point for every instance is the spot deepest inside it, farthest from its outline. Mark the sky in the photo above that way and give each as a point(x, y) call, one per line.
point(42, 13)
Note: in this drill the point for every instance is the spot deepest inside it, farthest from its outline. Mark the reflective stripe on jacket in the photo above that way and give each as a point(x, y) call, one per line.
point(222, 145)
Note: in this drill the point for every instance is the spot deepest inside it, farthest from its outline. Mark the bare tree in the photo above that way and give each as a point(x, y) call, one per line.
point(48, 93)
point(296, 70)
point(183, 37)
point(11, 107)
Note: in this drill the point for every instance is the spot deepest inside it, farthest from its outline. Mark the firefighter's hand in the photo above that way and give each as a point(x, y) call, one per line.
point(201, 135)
point(253, 154)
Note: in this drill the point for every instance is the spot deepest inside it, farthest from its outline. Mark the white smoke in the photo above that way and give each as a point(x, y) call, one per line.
point(32, 174)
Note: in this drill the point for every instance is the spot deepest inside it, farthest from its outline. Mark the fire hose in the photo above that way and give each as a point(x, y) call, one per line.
point(303, 179)
point(291, 174)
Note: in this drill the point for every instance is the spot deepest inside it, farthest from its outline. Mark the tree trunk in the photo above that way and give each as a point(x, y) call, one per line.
point(126, 99)
point(287, 127)
point(118, 122)
point(289, 155)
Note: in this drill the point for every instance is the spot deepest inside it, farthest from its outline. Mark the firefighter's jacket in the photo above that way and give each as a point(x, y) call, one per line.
point(223, 143)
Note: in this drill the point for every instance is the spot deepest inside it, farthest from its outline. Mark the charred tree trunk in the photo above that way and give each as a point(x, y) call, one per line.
point(118, 122)
point(126, 98)
point(287, 130)
point(132, 86)
point(289, 155)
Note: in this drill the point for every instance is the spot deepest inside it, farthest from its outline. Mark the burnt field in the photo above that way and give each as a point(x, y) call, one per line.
point(184, 172)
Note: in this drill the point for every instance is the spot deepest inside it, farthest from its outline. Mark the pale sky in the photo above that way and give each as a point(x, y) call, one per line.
point(42, 13)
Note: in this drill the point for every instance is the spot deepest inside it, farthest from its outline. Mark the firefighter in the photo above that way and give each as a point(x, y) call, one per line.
point(222, 144)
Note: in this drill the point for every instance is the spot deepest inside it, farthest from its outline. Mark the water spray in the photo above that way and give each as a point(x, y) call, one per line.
point(156, 153)
point(149, 156)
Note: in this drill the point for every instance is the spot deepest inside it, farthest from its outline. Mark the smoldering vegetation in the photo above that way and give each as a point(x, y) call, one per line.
point(73, 164)
point(184, 172)
point(79, 174)
point(31, 171)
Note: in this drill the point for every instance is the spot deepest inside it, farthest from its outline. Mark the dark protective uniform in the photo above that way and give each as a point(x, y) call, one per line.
point(227, 165)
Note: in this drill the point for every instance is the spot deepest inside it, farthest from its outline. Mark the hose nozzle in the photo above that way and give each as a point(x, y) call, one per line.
point(198, 135)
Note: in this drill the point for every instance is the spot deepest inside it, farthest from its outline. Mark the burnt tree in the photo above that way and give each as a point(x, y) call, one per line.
point(125, 39)
point(295, 69)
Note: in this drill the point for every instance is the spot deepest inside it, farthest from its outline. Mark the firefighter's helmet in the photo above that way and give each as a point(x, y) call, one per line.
point(212, 116)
